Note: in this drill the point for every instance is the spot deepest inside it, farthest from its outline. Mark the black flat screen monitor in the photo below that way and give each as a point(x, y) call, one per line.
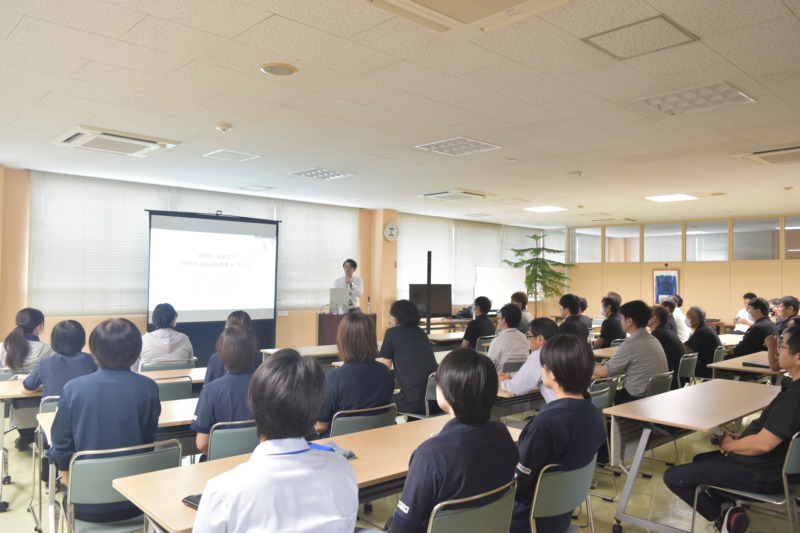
point(441, 298)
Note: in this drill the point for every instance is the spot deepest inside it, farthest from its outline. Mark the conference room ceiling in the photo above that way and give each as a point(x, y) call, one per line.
point(371, 86)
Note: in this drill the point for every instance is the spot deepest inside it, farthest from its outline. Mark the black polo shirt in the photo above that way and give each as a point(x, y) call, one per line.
point(611, 330)
point(461, 461)
point(673, 349)
point(573, 324)
point(410, 351)
point(482, 326)
point(704, 341)
point(753, 340)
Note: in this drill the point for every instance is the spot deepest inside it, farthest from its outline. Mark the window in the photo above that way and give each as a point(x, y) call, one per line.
point(662, 242)
point(418, 235)
point(475, 244)
point(791, 237)
point(707, 241)
point(756, 238)
point(556, 240)
point(622, 244)
point(585, 245)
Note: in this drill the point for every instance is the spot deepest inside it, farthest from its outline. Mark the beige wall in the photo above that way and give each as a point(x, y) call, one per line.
point(14, 246)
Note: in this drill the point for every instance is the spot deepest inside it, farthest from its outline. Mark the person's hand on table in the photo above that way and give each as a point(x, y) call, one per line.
point(502, 376)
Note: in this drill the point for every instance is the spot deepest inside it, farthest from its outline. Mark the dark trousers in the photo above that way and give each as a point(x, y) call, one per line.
point(520, 521)
point(623, 396)
point(714, 468)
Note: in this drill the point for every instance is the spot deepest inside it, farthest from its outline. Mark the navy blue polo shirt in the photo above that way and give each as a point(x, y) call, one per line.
point(223, 400)
point(357, 385)
point(53, 372)
point(461, 461)
point(215, 369)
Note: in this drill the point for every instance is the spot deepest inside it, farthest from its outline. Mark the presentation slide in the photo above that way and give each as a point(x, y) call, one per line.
point(207, 267)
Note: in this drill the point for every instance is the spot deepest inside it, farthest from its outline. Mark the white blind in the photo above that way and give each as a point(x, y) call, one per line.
point(476, 244)
point(418, 235)
point(516, 237)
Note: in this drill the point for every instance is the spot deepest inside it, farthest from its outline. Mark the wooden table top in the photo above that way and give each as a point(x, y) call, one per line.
point(702, 407)
point(735, 364)
point(452, 336)
point(729, 339)
point(383, 455)
point(604, 353)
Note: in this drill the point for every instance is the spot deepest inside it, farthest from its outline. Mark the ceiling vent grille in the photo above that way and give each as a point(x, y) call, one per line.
point(113, 142)
point(455, 195)
point(782, 156)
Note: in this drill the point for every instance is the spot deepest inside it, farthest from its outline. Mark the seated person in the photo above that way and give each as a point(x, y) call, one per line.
point(567, 431)
point(510, 344)
point(704, 341)
point(670, 306)
point(406, 348)
point(287, 484)
point(225, 399)
point(572, 323)
point(52, 373)
point(743, 318)
point(520, 299)
point(529, 376)
point(110, 408)
point(214, 368)
point(673, 348)
point(472, 453)
point(751, 461)
point(586, 319)
point(361, 382)
point(681, 324)
point(788, 307)
point(481, 326)
point(639, 358)
point(611, 329)
point(753, 340)
point(164, 345)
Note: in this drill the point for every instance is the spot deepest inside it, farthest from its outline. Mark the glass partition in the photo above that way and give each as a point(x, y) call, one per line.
point(791, 237)
point(662, 242)
point(756, 238)
point(707, 241)
point(622, 244)
point(585, 245)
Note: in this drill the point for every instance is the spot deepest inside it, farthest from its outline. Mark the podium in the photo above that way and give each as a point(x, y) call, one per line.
point(328, 327)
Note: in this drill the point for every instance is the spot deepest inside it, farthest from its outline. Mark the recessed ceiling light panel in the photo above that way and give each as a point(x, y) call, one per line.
point(230, 155)
point(671, 198)
point(255, 188)
point(458, 146)
point(278, 69)
point(704, 98)
point(544, 209)
point(323, 174)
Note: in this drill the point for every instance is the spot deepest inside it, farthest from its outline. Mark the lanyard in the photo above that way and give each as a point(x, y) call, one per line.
point(310, 446)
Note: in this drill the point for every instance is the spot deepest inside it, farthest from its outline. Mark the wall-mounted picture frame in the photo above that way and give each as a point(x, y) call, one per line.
point(666, 282)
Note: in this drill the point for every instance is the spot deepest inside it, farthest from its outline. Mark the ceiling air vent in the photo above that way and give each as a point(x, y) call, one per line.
point(455, 195)
point(114, 142)
point(783, 156)
point(466, 19)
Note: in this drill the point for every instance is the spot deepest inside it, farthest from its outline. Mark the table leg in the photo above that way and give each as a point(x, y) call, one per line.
point(51, 499)
point(5, 478)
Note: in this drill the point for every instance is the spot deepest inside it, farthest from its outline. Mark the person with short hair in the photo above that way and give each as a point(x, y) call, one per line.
point(520, 299)
point(788, 307)
point(753, 340)
point(472, 453)
point(670, 306)
point(287, 484)
point(682, 327)
point(743, 318)
point(571, 311)
point(481, 326)
point(567, 431)
point(354, 284)
point(673, 347)
point(750, 462)
point(509, 344)
point(640, 357)
point(164, 345)
point(214, 368)
point(529, 376)
point(704, 341)
point(611, 328)
point(68, 362)
point(110, 408)
point(361, 382)
point(586, 319)
point(225, 399)
point(406, 348)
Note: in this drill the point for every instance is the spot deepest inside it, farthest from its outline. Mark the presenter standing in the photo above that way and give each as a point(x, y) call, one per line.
point(351, 282)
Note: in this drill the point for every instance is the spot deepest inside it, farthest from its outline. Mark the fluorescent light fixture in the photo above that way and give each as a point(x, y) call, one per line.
point(705, 98)
point(670, 198)
point(230, 155)
point(458, 146)
point(790, 227)
point(321, 174)
point(255, 188)
point(544, 209)
point(696, 233)
point(793, 250)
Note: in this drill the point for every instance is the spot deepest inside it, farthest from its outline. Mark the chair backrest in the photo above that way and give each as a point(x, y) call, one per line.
point(491, 517)
point(345, 422)
point(791, 465)
point(687, 365)
point(147, 367)
point(600, 398)
point(611, 383)
point(659, 383)
point(430, 393)
point(482, 344)
point(561, 491)
point(232, 438)
point(719, 354)
point(513, 366)
point(49, 404)
point(597, 321)
point(7, 374)
point(617, 342)
point(91, 476)
point(177, 388)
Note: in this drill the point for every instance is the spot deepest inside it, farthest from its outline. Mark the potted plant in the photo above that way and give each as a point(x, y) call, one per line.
point(544, 278)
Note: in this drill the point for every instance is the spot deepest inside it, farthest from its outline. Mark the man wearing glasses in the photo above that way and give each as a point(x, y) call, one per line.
point(753, 340)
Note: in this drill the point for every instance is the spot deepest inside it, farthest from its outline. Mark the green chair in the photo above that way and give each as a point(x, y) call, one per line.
point(600, 398)
point(659, 383)
point(790, 474)
point(149, 367)
point(91, 476)
point(559, 492)
point(616, 342)
point(7, 375)
point(491, 517)
point(686, 369)
point(48, 404)
point(513, 366)
point(602, 392)
point(482, 344)
point(613, 385)
point(430, 396)
point(227, 439)
point(177, 388)
point(345, 422)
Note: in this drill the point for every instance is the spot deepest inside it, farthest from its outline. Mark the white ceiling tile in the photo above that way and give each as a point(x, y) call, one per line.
point(425, 82)
point(341, 109)
point(785, 85)
point(522, 83)
point(761, 49)
point(507, 109)
point(96, 16)
point(762, 112)
point(423, 110)
point(344, 18)
point(221, 17)
point(616, 82)
point(583, 18)
point(697, 77)
point(19, 93)
point(91, 46)
point(278, 115)
point(37, 111)
point(782, 134)
point(21, 55)
point(46, 126)
point(705, 18)
point(676, 59)
point(583, 106)
point(573, 131)
point(34, 79)
point(100, 110)
point(7, 23)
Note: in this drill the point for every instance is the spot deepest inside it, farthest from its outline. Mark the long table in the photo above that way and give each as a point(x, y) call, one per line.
point(381, 467)
point(736, 364)
point(604, 353)
point(702, 407)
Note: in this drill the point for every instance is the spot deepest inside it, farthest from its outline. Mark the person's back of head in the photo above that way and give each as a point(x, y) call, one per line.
point(698, 312)
point(356, 339)
point(571, 302)
point(637, 311)
point(239, 318)
point(164, 315)
point(68, 337)
point(16, 343)
point(659, 316)
point(749, 296)
point(570, 360)
point(115, 343)
point(405, 312)
point(237, 348)
point(484, 304)
point(520, 298)
point(668, 304)
point(546, 327)
point(511, 315)
point(467, 380)
point(286, 395)
point(616, 296)
point(583, 304)
point(678, 300)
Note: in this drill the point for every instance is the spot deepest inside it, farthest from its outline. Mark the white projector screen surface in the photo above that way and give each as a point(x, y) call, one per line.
point(207, 267)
